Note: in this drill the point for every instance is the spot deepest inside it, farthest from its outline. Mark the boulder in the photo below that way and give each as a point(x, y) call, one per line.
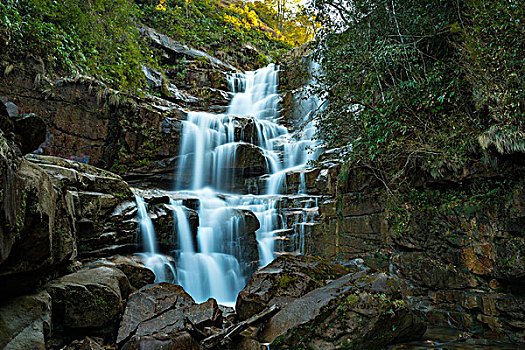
point(149, 301)
point(37, 224)
point(174, 320)
point(25, 322)
point(251, 223)
point(88, 302)
point(177, 49)
point(249, 160)
point(359, 311)
point(138, 275)
point(165, 315)
point(286, 278)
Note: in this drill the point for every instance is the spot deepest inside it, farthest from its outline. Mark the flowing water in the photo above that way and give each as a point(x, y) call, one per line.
point(158, 263)
point(211, 264)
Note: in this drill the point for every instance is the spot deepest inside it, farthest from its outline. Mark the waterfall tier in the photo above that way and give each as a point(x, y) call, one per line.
point(216, 153)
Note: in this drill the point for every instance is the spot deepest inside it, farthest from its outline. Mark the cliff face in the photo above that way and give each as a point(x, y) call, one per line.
point(463, 259)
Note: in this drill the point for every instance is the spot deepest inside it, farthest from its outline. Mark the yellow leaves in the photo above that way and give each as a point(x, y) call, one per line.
point(161, 6)
point(242, 17)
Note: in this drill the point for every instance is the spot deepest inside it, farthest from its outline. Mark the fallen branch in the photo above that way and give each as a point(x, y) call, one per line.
point(227, 335)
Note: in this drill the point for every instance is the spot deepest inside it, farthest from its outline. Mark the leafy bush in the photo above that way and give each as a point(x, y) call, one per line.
point(96, 37)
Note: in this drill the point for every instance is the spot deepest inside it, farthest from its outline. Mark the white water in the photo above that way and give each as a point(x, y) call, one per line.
point(158, 263)
point(209, 265)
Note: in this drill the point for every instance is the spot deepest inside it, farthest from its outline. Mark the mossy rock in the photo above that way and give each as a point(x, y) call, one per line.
point(288, 277)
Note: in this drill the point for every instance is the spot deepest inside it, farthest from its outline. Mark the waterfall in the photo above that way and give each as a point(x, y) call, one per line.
point(158, 263)
point(210, 261)
point(212, 268)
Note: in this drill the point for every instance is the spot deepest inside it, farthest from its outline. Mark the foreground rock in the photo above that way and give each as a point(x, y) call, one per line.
point(285, 279)
point(358, 311)
point(165, 316)
point(88, 302)
point(25, 322)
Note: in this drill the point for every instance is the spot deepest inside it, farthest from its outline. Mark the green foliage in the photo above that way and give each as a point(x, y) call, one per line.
point(413, 84)
point(494, 47)
point(96, 37)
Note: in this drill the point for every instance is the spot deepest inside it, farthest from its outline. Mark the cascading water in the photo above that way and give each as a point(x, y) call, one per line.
point(210, 264)
point(158, 263)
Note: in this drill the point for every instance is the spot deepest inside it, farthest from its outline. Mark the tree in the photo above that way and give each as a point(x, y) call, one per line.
point(413, 84)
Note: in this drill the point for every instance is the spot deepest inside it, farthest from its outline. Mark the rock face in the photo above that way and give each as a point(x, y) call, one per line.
point(164, 315)
point(37, 223)
point(25, 322)
point(91, 123)
point(360, 311)
point(102, 203)
point(89, 302)
point(283, 280)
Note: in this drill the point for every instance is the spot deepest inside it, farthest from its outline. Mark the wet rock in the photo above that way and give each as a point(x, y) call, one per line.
point(88, 302)
point(25, 322)
point(283, 280)
point(251, 222)
point(165, 223)
point(249, 161)
point(359, 310)
point(138, 275)
point(155, 312)
point(102, 205)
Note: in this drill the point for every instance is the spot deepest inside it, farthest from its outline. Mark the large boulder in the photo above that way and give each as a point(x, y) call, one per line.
point(164, 314)
point(37, 223)
point(88, 302)
point(358, 311)
point(283, 280)
point(25, 322)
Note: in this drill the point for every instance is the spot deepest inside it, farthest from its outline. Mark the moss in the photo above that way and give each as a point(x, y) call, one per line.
point(20, 218)
point(285, 280)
